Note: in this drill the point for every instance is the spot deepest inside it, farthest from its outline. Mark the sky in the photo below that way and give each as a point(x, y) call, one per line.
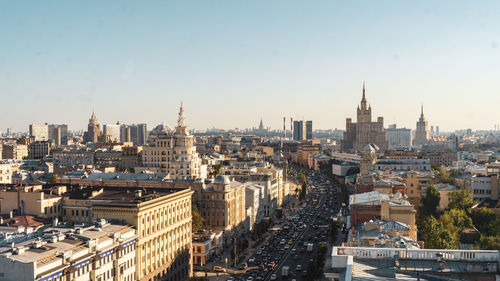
point(233, 62)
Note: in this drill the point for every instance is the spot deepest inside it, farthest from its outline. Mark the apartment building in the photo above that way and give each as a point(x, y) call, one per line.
point(100, 252)
point(162, 220)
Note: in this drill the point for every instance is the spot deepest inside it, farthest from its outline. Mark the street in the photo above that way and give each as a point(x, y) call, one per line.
point(295, 243)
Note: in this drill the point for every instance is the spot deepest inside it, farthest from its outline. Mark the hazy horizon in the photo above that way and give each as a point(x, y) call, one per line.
point(233, 62)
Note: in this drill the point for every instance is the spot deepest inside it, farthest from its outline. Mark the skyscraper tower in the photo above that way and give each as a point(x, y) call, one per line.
point(261, 125)
point(93, 130)
point(364, 131)
point(422, 132)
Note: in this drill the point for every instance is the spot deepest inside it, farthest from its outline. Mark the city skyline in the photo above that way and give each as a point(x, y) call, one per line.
point(232, 63)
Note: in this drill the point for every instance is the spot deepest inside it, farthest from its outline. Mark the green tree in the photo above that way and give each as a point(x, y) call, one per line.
point(53, 178)
point(459, 218)
point(303, 192)
point(489, 243)
point(430, 201)
point(197, 219)
point(460, 199)
point(216, 170)
point(482, 218)
point(435, 236)
point(302, 178)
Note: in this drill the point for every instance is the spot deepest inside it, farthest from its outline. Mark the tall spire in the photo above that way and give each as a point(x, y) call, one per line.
point(422, 111)
point(364, 98)
point(181, 121)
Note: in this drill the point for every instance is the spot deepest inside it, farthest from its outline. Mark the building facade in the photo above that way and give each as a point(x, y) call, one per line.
point(364, 131)
point(93, 130)
point(102, 252)
point(162, 220)
point(399, 138)
point(174, 153)
point(422, 131)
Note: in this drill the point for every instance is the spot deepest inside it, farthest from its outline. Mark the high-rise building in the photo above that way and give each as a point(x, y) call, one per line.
point(422, 132)
point(112, 132)
point(309, 130)
point(134, 133)
point(58, 134)
point(298, 130)
point(398, 137)
point(93, 131)
point(302, 130)
point(39, 132)
point(364, 131)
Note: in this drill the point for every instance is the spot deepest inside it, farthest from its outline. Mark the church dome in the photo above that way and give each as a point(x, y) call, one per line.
point(221, 179)
point(163, 128)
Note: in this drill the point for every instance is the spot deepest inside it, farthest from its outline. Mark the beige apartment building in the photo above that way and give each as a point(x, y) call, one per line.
point(174, 153)
point(416, 183)
point(222, 205)
point(30, 200)
point(6, 173)
point(162, 220)
point(14, 151)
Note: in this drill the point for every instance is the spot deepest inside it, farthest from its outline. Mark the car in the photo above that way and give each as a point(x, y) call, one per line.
point(273, 277)
point(283, 241)
point(296, 257)
point(290, 242)
point(252, 259)
point(250, 278)
point(218, 268)
point(287, 247)
point(230, 278)
point(298, 267)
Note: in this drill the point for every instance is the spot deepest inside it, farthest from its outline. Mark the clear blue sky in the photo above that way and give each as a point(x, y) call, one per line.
point(232, 62)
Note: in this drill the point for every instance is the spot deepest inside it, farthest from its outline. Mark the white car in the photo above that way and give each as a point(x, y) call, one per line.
point(252, 259)
point(273, 277)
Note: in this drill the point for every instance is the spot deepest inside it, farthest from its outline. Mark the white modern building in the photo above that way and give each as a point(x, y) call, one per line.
point(398, 137)
point(112, 132)
point(39, 132)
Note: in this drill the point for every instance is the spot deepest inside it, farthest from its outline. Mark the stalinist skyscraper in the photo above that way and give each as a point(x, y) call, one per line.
point(422, 132)
point(364, 132)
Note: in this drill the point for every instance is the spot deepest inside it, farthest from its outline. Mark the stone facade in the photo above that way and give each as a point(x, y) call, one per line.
point(174, 153)
point(364, 131)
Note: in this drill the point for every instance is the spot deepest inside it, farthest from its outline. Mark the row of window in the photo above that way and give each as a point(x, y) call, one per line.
point(154, 221)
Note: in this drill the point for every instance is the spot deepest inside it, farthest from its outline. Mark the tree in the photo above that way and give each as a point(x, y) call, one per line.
point(302, 178)
point(430, 201)
point(435, 235)
point(216, 170)
point(197, 219)
point(53, 178)
point(460, 199)
point(459, 219)
point(303, 192)
point(482, 218)
point(489, 243)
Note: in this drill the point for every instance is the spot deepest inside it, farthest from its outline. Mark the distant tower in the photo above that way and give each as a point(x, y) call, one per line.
point(261, 125)
point(93, 130)
point(422, 132)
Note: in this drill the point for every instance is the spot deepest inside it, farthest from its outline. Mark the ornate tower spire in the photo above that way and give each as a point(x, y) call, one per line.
point(422, 111)
point(181, 121)
point(364, 98)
